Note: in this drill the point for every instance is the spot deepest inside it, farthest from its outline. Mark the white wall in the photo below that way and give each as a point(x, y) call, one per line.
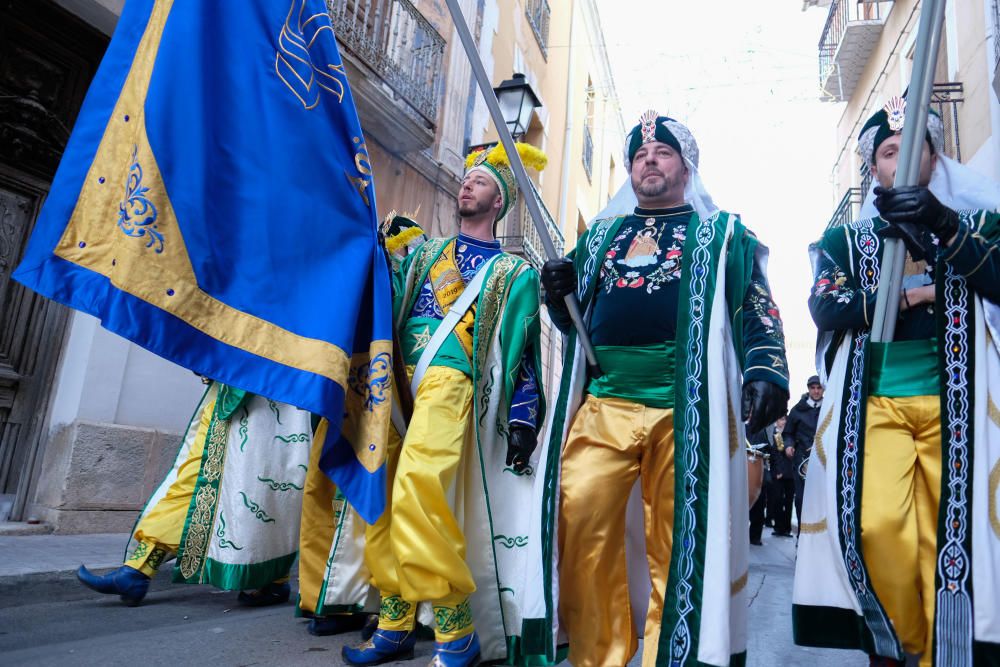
point(104, 378)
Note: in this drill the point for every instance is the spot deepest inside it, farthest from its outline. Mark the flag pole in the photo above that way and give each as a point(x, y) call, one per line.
point(519, 172)
point(908, 168)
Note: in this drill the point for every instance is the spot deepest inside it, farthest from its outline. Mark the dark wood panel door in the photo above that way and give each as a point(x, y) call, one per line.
point(47, 59)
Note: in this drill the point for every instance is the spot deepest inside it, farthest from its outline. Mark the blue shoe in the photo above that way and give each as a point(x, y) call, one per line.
point(384, 646)
point(335, 624)
point(462, 652)
point(265, 596)
point(128, 582)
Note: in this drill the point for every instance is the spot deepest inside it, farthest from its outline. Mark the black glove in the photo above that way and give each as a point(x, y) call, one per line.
point(763, 403)
point(520, 444)
point(559, 278)
point(918, 206)
point(913, 237)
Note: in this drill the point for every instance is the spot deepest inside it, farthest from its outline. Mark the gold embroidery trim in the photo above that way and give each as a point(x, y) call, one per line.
point(813, 528)
point(818, 439)
point(739, 584)
point(199, 527)
point(994, 481)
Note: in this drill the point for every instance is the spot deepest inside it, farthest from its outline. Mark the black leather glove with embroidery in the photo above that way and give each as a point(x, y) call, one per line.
point(520, 444)
point(559, 278)
point(762, 402)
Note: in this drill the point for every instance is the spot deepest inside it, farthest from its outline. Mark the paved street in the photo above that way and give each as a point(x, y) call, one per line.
point(46, 618)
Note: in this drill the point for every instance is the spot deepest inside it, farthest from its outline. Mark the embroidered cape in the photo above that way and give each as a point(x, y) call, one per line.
point(705, 608)
point(834, 602)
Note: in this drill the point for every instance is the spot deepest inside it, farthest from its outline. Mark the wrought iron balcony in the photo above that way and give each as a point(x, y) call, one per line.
point(538, 14)
point(848, 209)
point(520, 236)
point(398, 44)
point(850, 35)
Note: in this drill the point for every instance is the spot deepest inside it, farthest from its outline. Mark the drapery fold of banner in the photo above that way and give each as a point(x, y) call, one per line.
point(215, 205)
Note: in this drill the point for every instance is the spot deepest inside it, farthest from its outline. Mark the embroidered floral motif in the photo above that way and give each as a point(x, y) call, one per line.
point(832, 284)
point(629, 270)
point(256, 509)
point(279, 486)
point(453, 619)
point(141, 550)
point(765, 309)
point(136, 213)
point(393, 608)
point(221, 534)
point(372, 380)
point(156, 558)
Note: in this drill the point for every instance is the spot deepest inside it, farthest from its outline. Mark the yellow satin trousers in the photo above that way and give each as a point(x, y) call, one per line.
point(900, 495)
point(416, 551)
point(159, 532)
point(611, 443)
point(321, 507)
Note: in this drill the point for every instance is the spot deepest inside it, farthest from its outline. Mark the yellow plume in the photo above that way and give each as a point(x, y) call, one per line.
point(530, 155)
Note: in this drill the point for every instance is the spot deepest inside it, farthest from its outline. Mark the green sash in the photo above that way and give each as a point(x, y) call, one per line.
point(905, 368)
point(642, 374)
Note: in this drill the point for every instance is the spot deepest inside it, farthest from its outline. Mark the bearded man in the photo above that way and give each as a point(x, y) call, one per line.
point(462, 490)
point(687, 337)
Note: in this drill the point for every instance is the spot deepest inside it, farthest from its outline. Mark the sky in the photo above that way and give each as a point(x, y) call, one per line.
point(744, 77)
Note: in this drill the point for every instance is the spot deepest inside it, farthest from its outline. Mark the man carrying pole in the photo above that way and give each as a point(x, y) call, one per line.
point(691, 345)
point(899, 549)
point(896, 554)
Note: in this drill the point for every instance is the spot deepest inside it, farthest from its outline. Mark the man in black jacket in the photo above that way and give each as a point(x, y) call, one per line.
point(781, 492)
point(799, 433)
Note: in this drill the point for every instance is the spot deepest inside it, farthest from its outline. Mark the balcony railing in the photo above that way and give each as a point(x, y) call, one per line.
point(849, 37)
point(945, 99)
point(521, 238)
point(588, 152)
point(538, 14)
point(848, 208)
point(398, 44)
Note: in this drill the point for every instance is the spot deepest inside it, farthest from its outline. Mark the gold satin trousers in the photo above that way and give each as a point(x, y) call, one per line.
point(611, 443)
point(901, 492)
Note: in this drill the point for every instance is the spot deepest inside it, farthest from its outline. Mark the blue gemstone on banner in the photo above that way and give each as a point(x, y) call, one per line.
point(371, 448)
point(101, 180)
point(114, 262)
point(126, 118)
point(170, 292)
point(82, 244)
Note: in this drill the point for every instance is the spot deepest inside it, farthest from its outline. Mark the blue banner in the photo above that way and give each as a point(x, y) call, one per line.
point(215, 205)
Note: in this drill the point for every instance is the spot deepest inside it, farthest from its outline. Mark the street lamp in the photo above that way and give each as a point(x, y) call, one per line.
point(517, 101)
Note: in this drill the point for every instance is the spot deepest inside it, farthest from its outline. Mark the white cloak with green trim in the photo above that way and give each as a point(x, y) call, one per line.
point(509, 548)
point(705, 609)
point(241, 531)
